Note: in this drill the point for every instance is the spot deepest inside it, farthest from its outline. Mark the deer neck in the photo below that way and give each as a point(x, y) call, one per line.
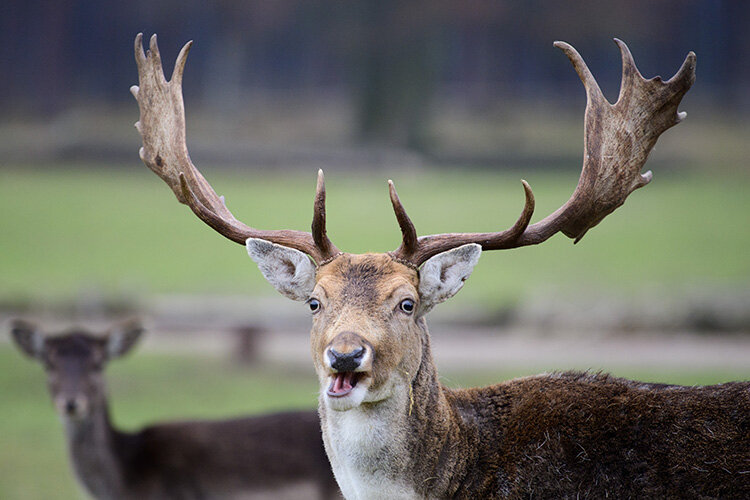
point(401, 447)
point(92, 447)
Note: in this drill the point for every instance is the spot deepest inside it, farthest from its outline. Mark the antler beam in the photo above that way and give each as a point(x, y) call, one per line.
point(618, 138)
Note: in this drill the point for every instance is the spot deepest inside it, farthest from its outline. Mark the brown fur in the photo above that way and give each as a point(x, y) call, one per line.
point(580, 435)
point(562, 435)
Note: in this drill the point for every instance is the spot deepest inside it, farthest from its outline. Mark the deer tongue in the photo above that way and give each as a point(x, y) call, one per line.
point(342, 383)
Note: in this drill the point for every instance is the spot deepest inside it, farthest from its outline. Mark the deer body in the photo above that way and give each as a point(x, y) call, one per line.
point(203, 459)
point(234, 458)
point(569, 435)
point(390, 429)
point(561, 435)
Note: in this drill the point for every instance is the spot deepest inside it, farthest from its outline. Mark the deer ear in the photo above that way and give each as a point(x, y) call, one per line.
point(28, 337)
point(443, 275)
point(288, 270)
point(122, 337)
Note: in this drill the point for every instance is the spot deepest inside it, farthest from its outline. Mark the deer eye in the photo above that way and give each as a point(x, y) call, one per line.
point(407, 305)
point(314, 305)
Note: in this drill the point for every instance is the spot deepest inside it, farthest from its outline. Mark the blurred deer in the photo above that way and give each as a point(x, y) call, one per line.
point(238, 458)
point(390, 428)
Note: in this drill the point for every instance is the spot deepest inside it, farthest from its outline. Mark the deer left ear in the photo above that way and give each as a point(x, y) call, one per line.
point(288, 270)
point(122, 337)
point(28, 337)
point(443, 275)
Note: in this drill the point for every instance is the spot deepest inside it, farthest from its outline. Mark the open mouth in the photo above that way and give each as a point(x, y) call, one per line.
point(342, 383)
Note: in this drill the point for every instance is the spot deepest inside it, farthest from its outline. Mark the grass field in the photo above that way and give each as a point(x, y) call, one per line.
point(116, 231)
point(149, 387)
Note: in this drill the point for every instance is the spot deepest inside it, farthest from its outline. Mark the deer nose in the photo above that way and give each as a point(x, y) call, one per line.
point(346, 362)
point(71, 406)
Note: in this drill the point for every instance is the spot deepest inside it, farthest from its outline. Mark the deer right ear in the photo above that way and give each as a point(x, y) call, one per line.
point(28, 337)
point(442, 276)
point(122, 337)
point(289, 271)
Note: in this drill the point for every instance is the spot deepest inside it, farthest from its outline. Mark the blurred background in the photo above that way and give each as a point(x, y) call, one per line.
point(454, 101)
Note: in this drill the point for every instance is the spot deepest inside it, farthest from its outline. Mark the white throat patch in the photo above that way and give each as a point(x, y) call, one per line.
point(356, 444)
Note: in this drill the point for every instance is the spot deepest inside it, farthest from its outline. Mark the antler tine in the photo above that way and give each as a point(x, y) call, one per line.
point(319, 233)
point(593, 92)
point(618, 138)
point(179, 65)
point(140, 56)
point(629, 70)
point(154, 57)
point(428, 246)
point(686, 74)
point(164, 151)
point(409, 244)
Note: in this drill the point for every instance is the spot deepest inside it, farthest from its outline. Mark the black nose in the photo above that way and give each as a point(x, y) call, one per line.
point(70, 406)
point(346, 362)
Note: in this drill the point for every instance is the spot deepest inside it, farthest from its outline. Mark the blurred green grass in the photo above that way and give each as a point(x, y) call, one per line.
point(65, 230)
point(150, 387)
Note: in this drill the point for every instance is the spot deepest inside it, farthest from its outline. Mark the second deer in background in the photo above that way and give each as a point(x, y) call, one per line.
point(264, 455)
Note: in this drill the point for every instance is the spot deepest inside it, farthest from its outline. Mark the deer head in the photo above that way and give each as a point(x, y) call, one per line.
point(369, 335)
point(74, 362)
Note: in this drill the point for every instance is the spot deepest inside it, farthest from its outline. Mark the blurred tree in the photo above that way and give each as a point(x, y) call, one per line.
point(396, 70)
point(393, 56)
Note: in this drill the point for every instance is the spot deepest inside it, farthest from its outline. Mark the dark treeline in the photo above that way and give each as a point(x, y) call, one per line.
point(391, 56)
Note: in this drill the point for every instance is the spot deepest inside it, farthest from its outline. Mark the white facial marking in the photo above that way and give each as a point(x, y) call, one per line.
point(442, 276)
point(288, 270)
point(327, 359)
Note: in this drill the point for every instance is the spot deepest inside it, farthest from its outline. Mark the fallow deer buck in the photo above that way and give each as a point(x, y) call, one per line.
point(270, 456)
point(391, 430)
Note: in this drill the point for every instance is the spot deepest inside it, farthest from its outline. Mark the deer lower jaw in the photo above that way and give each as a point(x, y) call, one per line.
point(346, 390)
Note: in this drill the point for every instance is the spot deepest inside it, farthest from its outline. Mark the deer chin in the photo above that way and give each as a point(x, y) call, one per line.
point(346, 390)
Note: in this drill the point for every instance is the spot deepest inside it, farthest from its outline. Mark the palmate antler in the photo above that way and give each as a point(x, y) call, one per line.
point(618, 138)
point(162, 127)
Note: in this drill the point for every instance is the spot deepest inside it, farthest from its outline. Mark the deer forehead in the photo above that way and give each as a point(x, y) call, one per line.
point(366, 280)
point(75, 345)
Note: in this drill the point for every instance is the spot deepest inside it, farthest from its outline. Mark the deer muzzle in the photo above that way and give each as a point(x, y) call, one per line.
point(349, 359)
point(74, 406)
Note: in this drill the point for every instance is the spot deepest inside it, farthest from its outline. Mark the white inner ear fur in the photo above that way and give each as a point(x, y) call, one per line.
point(442, 276)
point(289, 271)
